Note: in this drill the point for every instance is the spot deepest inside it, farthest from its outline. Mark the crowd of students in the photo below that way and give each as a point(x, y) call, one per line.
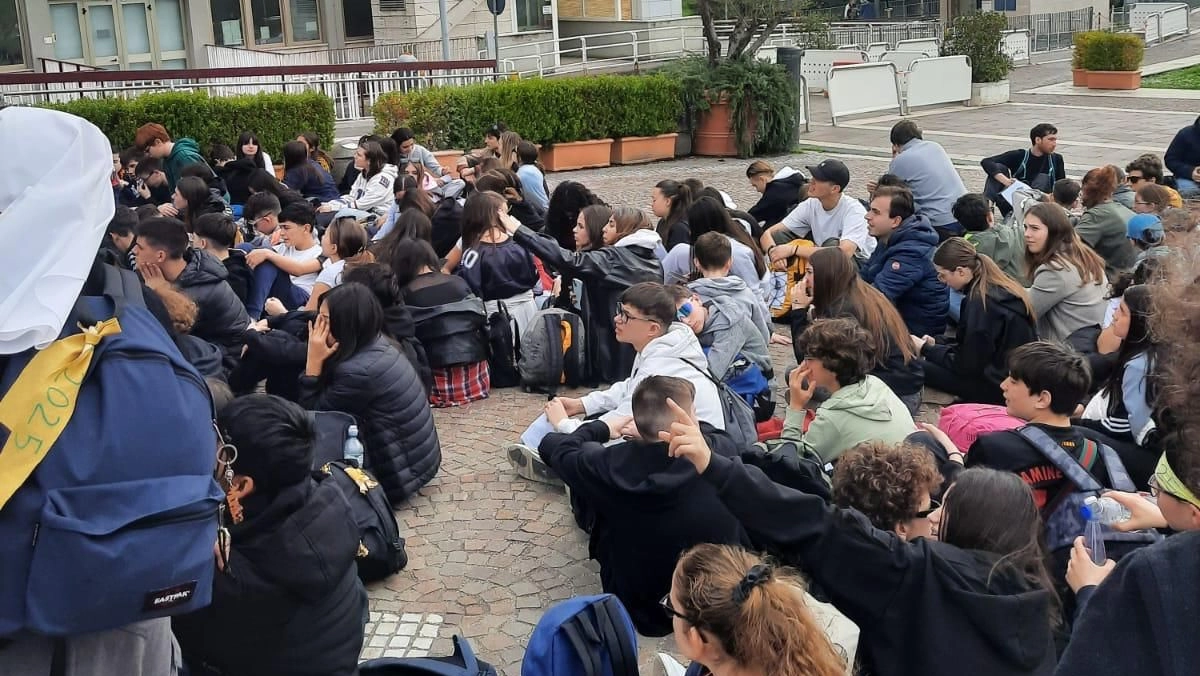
point(391, 293)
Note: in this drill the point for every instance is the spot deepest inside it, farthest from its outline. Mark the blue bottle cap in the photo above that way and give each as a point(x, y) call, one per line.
point(1086, 512)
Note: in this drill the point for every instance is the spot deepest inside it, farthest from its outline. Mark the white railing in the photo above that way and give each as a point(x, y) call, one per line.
point(1015, 45)
point(815, 65)
point(1158, 21)
point(857, 33)
point(461, 49)
point(600, 52)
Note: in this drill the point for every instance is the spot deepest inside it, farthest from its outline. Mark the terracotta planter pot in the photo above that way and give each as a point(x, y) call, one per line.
point(714, 135)
point(577, 155)
point(1114, 79)
point(639, 149)
point(1078, 77)
point(449, 160)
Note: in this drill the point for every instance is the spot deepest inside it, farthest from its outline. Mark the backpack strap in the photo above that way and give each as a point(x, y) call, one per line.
point(1118, 476)
point(1087, 456)
point(554, 330)
point(706, 372)
point(1021, 169)
point(621, 652)
point(580, 634)
point(1069, 466)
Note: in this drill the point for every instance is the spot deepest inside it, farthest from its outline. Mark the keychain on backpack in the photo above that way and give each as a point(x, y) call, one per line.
point(227, 455)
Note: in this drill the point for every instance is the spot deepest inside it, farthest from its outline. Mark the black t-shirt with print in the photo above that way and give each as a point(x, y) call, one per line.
point(1011, 452)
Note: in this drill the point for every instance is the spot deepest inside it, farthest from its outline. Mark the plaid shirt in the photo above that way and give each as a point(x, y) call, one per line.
point(458, 385)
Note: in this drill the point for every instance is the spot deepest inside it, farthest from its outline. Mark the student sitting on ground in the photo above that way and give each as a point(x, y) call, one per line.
point(829, 217)
point(858, 407)
point(1067, 279)
point(670, 201)
point(287, 271)
point(891, 484)
point(704, 216)
point(497, 268)
point(780, 191)
point(837, 291)
point(372, 190)
point(643, 508)
point(157, 189)
point(261, 216)
point(713, 259)
point(900, 266)
point(286, 594)
point(354, 368)
point(996, 317)
point(627, 258)
point(214, 234)
point(647, 320)
point(930, 175)
point(1146, 170)
point(1066, 195)
point(164, 258)
point(344, 242)
point(117, 245)
point(1151, 199)
point(397, 319)
point(1000, 242)
point(174, 154)
point(977, 600)
point(731, 608)
point(1103, 222)
point(304, 175)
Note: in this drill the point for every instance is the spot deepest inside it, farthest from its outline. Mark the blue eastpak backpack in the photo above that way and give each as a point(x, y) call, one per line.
point(583, 636)
point(117, 522)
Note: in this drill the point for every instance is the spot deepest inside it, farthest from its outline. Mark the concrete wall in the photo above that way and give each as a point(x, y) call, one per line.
point(660, 40)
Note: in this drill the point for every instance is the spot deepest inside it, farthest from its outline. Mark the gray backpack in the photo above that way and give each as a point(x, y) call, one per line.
point(553, 352)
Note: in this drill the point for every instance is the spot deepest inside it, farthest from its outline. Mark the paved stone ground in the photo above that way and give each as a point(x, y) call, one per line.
point(489, 552)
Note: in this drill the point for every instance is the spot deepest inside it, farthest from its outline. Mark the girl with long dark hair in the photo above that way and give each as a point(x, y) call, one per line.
point(372, 190)
point(193, 199)
point(670, 200)
point(313, 143)
point(248, 146)
point(832, 288)
point(495, 267)
point(1068, 282)
point(562, 213)
point(304, 175)
point(353, 367)
point(996, 317)
point(707, 215)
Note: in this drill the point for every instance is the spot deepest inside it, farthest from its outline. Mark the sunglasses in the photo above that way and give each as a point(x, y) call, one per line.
point(934, 505)
point(1135, 179)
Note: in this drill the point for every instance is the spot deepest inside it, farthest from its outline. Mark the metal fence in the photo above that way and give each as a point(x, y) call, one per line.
point(860, 33)
point(429, 50)
point(1048, 32)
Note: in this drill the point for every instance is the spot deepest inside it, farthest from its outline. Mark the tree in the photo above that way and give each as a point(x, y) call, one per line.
point(755, 21)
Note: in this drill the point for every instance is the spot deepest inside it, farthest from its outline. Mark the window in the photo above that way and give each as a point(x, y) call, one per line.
point(305, 27)
point(392, 6)
point(239, 23)
point(357, 17)
point(227, 23)
point(530, 17)
point(267, 22)
point(11, 50)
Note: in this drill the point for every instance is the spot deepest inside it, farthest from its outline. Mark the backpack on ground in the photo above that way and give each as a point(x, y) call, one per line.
point(380, 548)
point(332, 429)
point(783, 281)
point(749, 382)
point(503, 342)
point(964, 423)
point(1061, 513)
point(583, 636)
point(739, 417)
point(462, 663)
point(114, 521)
point(553, 351)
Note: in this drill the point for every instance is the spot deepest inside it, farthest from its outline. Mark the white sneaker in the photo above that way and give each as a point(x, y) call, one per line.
point(529, 464)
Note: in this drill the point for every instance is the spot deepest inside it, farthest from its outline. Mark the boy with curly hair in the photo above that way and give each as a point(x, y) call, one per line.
point(891, 484)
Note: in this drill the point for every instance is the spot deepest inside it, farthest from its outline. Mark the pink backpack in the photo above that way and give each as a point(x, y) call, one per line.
point(964, 423)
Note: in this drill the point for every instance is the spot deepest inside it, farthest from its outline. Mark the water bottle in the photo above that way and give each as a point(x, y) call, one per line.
point(1107, 510)
point(1093, 535)
point(353, 450)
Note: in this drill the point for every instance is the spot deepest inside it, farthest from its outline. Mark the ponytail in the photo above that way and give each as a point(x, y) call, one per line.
point(957, 252)
point(681, 200)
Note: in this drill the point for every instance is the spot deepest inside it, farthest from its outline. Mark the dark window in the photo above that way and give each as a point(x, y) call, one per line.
point(358, 19)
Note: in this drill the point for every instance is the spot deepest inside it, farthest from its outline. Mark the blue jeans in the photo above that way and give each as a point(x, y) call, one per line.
point(1187, 187)
point(271, 282)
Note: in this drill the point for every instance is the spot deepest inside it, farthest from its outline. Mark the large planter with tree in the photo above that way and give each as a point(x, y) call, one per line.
point(1114, 61)
point(645, 121)
point(735, 104)
point(978, 37)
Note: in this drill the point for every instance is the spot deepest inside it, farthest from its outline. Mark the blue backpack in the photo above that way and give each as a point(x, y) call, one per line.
point(462, 663)
point(583, 636)
point(118, 521)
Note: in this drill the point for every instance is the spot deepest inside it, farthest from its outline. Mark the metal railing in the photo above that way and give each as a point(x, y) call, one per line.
point(859, 33)
point(1048, 32)
point(427, 50)
point(56, 66)
point(601, 52)
point(354, 88)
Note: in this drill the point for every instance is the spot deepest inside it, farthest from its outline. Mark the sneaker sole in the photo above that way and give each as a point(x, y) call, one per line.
point(530, 467)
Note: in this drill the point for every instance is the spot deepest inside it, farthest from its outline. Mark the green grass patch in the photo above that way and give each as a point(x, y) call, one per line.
point(1184, 78)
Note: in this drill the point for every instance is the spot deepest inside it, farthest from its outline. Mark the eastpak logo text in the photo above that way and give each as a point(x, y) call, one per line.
point(171, 597)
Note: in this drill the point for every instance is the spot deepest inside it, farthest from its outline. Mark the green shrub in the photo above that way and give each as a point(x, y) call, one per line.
point(762, 97)
point(978, 37)
point(276, 118)
point(1114, 51)
point(544, 111)
point(1082, 41)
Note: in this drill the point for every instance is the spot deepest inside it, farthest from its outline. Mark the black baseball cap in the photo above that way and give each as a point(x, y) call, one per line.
point(831, 171)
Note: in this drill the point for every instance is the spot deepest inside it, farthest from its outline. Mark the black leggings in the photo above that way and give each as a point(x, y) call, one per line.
point(967, 389)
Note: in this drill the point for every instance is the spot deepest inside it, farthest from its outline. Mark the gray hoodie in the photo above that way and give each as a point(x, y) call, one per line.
point(723, 288)
point(421, 155)
point(728, 332)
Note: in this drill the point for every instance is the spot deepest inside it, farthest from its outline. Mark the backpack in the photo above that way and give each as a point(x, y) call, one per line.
point(583, 636)
point(447, 225)
point(1063, 520)
point(553, 351)
point(739, 417)
point(380, 548)
point(462, 663)
point(747, 380)
point(502, 348)
point(115, 522)
point(964, 423)
point(783, 281)
point(332, 429)
point(792, 464)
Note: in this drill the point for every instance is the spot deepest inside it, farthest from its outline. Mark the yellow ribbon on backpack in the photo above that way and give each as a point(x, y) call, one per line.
point(41, 402)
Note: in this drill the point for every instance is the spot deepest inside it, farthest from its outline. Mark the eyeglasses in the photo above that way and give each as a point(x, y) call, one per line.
point(624, 316)
point(665, 604)
point(1140, 202)
point(1156, 491)
point(1135, 179)
point(934, 505)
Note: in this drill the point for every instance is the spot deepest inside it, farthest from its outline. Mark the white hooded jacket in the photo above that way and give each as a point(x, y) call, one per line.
point(375, 194)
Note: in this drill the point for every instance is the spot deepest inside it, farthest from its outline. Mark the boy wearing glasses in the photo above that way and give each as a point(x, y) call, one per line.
point(645, 318)
point(641, 507)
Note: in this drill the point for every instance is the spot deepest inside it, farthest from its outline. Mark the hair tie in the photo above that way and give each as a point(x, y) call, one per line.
point(759, 574)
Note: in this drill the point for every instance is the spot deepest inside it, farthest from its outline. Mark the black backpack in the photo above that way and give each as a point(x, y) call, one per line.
point(447, 225)
point(380, 548)
point(462, 663)
point(503, 353)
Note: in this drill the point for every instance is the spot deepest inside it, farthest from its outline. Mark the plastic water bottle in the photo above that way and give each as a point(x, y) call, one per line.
point(1093, 535)
point(1107, 510)
point(353, 449)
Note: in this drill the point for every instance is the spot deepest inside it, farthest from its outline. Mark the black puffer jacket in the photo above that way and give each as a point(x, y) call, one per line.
point(222, 317)
point(381, 389)
point(452, 334)
point(278, 356)
point(398, 323)
point(237, 175)
point(289, 600)
point(605, 273)
point(778, 199)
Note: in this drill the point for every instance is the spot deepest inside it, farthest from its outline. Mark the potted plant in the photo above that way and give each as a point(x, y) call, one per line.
point(647, 115)
point(1114, 61)
point(978, 37)
point(733, 103)
point(1080, 41)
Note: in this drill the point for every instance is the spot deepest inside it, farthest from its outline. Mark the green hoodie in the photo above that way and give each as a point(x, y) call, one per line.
point(864, 411)
point(184, 152)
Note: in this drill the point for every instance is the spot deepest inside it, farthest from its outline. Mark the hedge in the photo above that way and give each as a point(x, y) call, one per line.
point(543, 111)
point(276, 118)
